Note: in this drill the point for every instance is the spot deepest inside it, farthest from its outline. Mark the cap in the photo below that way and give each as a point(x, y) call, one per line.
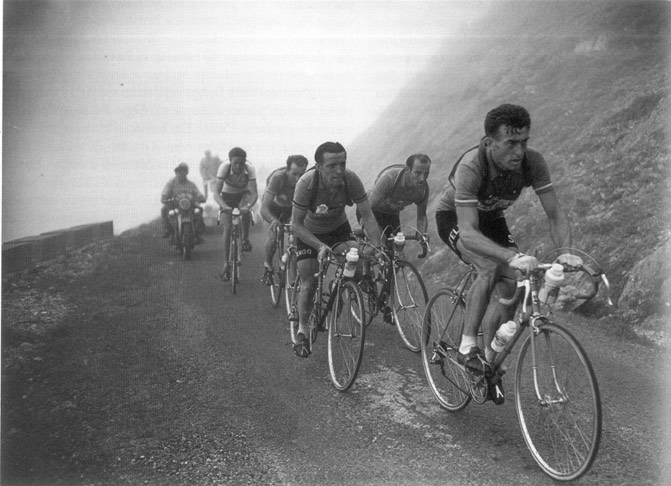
point(182, 167)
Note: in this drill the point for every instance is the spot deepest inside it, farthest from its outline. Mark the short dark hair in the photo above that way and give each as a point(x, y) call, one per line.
point(330, 147)
point(514, 116)
point(298, 160)
point(236, 152)
point(410, 162)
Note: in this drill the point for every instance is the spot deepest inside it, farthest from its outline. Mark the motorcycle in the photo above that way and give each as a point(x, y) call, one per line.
point(183, 221)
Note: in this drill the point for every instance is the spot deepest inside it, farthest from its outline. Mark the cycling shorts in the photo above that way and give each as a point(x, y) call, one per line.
point(496, 229)
point(233, 200)
point(282, 213)
point(341, 234)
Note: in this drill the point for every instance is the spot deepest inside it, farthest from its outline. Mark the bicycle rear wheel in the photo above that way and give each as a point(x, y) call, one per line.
point(558, 403)
point(346, 335)
point(408, 301)
point(441, 335)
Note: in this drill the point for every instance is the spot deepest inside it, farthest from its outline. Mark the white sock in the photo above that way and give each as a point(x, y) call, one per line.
point(467, 342)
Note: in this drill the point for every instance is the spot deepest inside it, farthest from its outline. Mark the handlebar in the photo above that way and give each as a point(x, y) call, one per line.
point(524, 286)
point(423, 241)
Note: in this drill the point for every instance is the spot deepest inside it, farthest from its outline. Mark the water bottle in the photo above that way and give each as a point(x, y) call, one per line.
point(554, 277)
point(283, 261)
point(503, 335)
point(399, 242)
point(351, 259)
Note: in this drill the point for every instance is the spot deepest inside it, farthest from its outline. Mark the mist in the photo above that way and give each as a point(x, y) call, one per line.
point(102, 99)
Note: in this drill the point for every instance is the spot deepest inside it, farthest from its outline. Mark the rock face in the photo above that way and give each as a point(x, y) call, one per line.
point(646, 297)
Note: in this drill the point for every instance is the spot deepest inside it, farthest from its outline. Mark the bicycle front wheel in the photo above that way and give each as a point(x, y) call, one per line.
point(441, 335)
point(408, 301)
point(346, 335)
point(276, 281)
point(235, 264)
point(292, 291)
point(558, 403)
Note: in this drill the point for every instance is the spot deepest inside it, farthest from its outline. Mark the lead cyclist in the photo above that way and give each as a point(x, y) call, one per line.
point(470, 219)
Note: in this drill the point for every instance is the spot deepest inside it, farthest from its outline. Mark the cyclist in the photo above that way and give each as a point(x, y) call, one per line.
point(276, 204)
point(470, 219)
point(319, 221)
point(181, 185)
point(235, 188)
point(397, 187)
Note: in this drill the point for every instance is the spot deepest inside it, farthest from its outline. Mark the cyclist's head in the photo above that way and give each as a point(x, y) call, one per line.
point(328, 147)
point(237, 152)
point(207, 154)
point(419, 165)
point(514, 117)
point(298, 160)
point(419, 158)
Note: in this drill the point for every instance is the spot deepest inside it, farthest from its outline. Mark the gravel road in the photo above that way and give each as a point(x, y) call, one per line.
point(144, 369)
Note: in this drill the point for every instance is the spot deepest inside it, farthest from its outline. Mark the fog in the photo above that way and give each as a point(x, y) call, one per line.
point(102, 99)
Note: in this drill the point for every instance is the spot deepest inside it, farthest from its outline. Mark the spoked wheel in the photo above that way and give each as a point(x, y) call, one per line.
point(292, 292)
point(408, 302)
point(277, 284)
point(235, 268)
point(346, 335)
point(558, 403)
point(441, 335)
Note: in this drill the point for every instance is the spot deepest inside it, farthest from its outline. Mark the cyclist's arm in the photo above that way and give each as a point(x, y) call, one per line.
point(422, 220)
point(473, 239)
point(253, 192)
point(265, 207)
point(300, 231)
point(218, 186)
point(560, 230)
point(369, 222)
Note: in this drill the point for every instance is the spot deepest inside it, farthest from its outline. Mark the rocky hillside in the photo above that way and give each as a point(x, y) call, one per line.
point(594, 76)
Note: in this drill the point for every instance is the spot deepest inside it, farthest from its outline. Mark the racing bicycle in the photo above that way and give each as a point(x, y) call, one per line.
point(557, 397)
point(339, 311)
point(235, 246)
point(277, 279)
point(396, 289)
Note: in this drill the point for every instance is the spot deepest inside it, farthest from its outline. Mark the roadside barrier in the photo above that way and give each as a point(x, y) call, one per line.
point(21, 253)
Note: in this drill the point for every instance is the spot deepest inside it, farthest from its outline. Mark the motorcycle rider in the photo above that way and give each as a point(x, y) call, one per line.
point(181, 185)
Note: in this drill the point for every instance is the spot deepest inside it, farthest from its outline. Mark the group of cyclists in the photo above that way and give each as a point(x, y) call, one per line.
point(469, 217)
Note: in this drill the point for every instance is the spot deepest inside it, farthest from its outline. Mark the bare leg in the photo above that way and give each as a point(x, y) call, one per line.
point(270, 249)
point(306, 270)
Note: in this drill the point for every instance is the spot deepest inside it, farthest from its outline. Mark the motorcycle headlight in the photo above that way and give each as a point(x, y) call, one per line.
point(171, 212)
point(184, 204)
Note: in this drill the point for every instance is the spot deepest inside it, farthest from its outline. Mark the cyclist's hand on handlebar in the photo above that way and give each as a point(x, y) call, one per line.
point(570, 260)
point(324, 250)
point(274, 224)
point(523, 263)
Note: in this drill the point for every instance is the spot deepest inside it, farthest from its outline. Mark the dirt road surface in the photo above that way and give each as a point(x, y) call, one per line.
point(153, 373)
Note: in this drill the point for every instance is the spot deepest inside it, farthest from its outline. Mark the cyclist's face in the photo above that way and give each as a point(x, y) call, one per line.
point(295, 172)
point(332, 169)
point(420, 173)
point(509, 146)
point(238, 164)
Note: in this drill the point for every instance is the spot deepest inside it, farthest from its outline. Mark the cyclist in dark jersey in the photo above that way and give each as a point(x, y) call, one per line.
point(471, 221)
point(276, 204)
point(319, 221)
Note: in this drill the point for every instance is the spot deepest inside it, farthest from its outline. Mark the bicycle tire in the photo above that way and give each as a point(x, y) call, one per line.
point(292, 292)
point(346, 336)
point(408, 299)
point(562, 431)
point(441, 335)
point(277, 282)
point(234, 250)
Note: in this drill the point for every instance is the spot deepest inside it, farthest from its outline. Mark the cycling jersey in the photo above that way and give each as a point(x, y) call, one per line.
point(327, 211)
point(480, 183)
point(393, 191)
point(281, 188)
point(236, 183)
